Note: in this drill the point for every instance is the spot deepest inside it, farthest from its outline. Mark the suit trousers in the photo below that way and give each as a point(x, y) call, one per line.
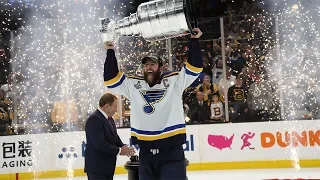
point(98, 177)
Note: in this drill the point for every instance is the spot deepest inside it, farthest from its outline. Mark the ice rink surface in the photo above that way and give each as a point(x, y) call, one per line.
point(306, 173)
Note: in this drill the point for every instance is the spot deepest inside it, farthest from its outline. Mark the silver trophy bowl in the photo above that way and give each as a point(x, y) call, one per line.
point(154, 21)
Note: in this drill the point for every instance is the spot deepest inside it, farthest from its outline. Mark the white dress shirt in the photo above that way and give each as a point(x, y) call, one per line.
point(106, 116)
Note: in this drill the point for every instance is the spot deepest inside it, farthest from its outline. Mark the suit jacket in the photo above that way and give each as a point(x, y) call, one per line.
point(103, 145)
point(199, 113)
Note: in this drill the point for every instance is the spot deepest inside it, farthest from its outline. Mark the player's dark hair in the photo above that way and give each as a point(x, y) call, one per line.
point(107, 98)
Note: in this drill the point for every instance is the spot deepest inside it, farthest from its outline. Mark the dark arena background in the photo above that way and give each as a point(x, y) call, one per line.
point(261, 59)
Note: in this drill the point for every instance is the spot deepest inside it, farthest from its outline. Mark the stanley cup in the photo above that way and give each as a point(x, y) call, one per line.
point(154, 20)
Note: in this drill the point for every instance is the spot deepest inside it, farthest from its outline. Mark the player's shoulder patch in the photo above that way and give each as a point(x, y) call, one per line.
point(169, 74)
point(135, 77)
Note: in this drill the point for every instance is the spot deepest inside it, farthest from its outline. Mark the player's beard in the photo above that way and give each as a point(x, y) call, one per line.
point(155, 77)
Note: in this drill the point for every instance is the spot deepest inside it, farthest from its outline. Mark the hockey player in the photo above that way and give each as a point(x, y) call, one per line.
point(157, 116)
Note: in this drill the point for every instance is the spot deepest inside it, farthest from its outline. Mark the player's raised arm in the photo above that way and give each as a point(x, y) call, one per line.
point(115, 80)
point(193, 67)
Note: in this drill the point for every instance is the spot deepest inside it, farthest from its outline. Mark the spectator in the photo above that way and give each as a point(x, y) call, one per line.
point(217, 72)
point(207, 88)
point(207, 67)
point(237, 96)
point(199, 110)
point(4, 65)
point(249, 73)
point(8, 87)
point(216, 49)
point(64, 112)
point(230, 82)
point(259, 99)
point(4, 99)
point(216, 108)
point(5, 115)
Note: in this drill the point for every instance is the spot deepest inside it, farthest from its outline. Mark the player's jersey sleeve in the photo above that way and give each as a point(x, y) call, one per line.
point(116, 81)
point(192, 68)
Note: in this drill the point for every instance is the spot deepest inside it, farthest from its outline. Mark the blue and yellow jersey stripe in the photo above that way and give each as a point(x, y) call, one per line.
point(192, 70)
point(157, 135)
point(116, 81)
point(166, 75)
point(135, 77)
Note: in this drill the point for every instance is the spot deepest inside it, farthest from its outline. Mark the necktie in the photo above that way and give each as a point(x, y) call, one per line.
point(111, 123)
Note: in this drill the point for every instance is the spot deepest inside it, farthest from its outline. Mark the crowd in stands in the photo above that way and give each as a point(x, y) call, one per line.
point(252, 94)
point(251, 88)
point(6, 106)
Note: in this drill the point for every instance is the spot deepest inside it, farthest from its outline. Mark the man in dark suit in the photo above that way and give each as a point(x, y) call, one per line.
point(103, 143)
point(199, 110)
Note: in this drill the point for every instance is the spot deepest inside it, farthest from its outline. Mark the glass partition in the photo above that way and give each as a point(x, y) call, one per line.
point(252, 76)
point(298, 36)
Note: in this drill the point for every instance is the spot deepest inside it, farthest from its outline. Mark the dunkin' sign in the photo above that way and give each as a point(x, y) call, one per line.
point(294, 138)
point(267, 139)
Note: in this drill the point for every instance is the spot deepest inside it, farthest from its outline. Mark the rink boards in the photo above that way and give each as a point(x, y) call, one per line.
point(208, 147)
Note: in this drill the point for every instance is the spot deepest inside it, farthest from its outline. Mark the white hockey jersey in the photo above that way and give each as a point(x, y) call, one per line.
point(157, 116)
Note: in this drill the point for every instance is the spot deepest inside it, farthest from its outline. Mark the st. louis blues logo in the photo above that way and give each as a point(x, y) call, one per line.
point(151, 97)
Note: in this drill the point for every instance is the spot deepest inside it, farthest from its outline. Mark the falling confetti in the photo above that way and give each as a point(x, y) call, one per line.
point(58, 53)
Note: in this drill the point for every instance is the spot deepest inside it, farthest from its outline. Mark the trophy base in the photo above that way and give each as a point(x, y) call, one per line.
point(132, 167)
